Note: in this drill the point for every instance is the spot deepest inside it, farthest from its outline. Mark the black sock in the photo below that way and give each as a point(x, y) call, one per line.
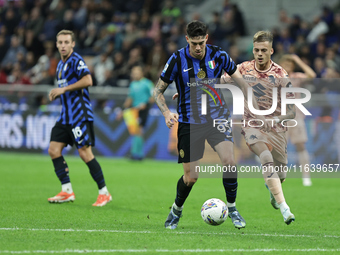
point(230, 185)
point(182, 192)
point(96, 173)
point(61, 169)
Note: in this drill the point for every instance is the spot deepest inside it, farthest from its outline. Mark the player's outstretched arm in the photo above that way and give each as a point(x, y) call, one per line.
point(84, 82)
point(305, 68)
point(158, 95)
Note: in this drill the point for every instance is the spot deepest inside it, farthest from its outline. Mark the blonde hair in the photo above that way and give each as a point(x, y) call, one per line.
point(67, 32)
point(263, 36)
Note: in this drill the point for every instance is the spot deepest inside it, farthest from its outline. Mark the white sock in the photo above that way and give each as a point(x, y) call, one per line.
point(177, 207)
point(67, 187)
point(103, 191)
point(231, 204)
point(283, 206)
point(304, 160)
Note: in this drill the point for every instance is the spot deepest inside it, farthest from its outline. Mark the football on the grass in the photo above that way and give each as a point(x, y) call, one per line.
point(214, 211)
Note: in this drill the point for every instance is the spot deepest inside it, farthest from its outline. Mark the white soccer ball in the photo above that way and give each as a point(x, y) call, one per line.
point(214, 211)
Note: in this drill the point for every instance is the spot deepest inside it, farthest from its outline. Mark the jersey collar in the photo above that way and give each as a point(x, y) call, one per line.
point(263, 71)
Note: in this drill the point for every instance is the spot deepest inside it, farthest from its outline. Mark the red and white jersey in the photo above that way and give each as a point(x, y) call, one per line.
point(263, 83)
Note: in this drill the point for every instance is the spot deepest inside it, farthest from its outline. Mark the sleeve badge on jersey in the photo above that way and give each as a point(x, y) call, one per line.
point(212, 64)
point(165, 68)
point(81, 65)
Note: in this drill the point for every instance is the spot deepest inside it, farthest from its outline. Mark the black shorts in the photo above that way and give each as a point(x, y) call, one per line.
point(191, 140)
point(143, 115)
point(73, 135)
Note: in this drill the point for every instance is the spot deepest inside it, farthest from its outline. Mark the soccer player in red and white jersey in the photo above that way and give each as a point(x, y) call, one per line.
point(298, 134)
point(271, 147)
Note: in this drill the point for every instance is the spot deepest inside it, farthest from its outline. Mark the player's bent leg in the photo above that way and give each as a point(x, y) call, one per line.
point(304, 161)
point(174, 215)
point(62, 172)
point(287, 215)
point(272, 199)
point(96, 172)
point(281, 170)
point(225, 151)
point(271, 178)
point(55, 149)
point(184, 186)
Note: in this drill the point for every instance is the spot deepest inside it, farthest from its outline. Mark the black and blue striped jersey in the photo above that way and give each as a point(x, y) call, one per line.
point(76, 105)
point(193, 78)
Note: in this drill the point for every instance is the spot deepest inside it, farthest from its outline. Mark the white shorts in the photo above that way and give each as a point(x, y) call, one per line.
point(276, 142)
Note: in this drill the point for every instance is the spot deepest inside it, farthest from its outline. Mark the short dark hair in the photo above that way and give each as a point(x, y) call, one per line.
point(196, 28)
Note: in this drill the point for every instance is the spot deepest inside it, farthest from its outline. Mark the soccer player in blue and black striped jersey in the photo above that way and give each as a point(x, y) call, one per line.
point(195, 70)
point(75, 124)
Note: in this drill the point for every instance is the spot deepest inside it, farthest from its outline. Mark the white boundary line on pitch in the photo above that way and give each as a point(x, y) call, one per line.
point(172, 251)
point(166, 231)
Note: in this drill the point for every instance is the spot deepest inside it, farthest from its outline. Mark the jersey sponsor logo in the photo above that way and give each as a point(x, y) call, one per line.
point(259, 90)
point(214, 91)
point(186, 70)
point(249, 77)
point(202, 83)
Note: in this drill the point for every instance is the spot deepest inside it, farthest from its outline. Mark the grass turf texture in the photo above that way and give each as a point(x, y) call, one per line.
point(142, 194)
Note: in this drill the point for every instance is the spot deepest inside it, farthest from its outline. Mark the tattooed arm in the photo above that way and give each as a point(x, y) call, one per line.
point(170, 118)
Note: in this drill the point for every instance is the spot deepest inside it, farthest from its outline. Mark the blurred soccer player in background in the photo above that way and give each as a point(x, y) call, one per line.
point(298, 134)
point(75, 124)
point(189, 67)
point(139, 99)
point(271, 147)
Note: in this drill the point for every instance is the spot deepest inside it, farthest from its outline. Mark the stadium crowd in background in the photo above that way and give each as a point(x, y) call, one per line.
point(117, 35)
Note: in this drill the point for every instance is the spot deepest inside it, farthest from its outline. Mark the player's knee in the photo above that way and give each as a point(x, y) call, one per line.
point(266, 157)
point(54, 152)
point(85, 155)
point(228, 161)
point(189, 181)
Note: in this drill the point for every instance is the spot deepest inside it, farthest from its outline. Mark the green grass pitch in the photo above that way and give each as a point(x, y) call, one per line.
point(142, 194)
